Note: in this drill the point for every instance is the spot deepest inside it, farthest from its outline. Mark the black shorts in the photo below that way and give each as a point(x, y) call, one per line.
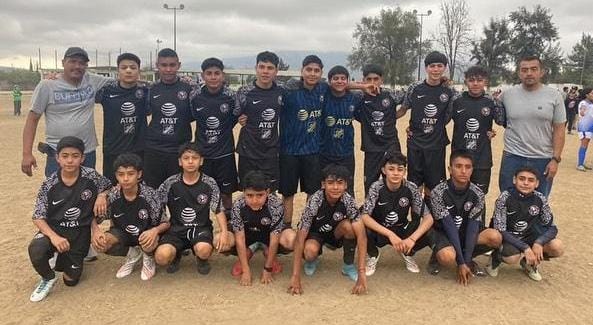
point(158, 166)
point(510, 250)
point(72, 261)
point(347, 161)
point(124, 241)
point(268, 166)
point(441, 241)
point(224, 172)
point(379, 240)
point(426, 167)
point(303, 168)
point(327, 239)
point(109, 159)
point(481, 177)
point(373, 161)
point(186, 239)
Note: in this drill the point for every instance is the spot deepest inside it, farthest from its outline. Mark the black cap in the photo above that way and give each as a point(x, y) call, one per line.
point(435, 57)
point(312, 59)
point(76, 51)
point(70, 142)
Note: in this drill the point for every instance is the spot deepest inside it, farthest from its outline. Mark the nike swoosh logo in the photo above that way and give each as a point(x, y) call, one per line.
point(450, 207)
point(75, 267)
point(368, 101)
point(176, 198)
point(118, 215)
point(255, 102)
point(226, 184)
point(156, 96)
point(382, 203)
point(57, 202)
point(113, 96)
point(200, 108)
point(461, 110)
point(509, 213)
point(420, 96)
point(319, 218)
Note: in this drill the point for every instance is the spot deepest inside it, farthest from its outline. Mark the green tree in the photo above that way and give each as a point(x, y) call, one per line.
point(578, 68)
point(391, 40)
point(493, 50)
point(534, 33)
point(454, 31)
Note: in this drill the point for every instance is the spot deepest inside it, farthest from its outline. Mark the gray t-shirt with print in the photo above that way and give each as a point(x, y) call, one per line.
point(69, 110)
point(530, 117)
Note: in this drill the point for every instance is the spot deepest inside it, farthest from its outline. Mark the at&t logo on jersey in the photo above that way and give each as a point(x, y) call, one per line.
point(377, 115)
point(520, 226)
point(188, 215)
point(168, 122)
point(212, 122)
point(128, 121)
point(72, 214)
point(168, 109)
point(302, 115)
point(472, 125)
point(430, 110)
point(128, 108)
point(326, 228)
point(391, 218)
point(132, 230)
point(330, 121)
point(268, 114)
point(86, 194)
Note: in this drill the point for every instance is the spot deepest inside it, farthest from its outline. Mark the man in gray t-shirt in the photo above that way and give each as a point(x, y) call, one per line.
point(535, 122)
point(68, 104)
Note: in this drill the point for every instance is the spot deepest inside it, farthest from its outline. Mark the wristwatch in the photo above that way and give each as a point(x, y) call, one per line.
point(557, 159)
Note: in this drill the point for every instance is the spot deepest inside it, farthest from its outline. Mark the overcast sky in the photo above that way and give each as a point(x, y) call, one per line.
point(227, 28)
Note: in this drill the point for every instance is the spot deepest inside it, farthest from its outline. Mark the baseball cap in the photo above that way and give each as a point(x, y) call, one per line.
point(76, 51)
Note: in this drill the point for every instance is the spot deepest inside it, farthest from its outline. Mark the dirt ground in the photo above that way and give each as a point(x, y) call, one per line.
point(394, 295)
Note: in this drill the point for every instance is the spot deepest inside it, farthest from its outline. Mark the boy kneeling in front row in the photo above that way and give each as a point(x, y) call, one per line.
point(526, 223)
point(330, 218)
point(63, 214)
point(137, 219)
point(257, 219)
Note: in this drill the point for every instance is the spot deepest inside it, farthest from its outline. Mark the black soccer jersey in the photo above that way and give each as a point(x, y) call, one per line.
point(69, 206)
point(124, 118)
point(321, 217)
point(522, 215)
point(391, 208)
point(428, 105)
point(259, 223)
point(258, 139)
point(134, 217)
point(214, 121)
point(472, 119)
point(190, 205)
point(461, 205)
point(377, 121)
point(170, 125)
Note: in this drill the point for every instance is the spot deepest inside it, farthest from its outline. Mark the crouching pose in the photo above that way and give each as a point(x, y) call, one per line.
point(525, 220)
point(257, 219)
point(385, 214)
point(330, 218)
point(63, 214)
point(457, 207)
point(137, 219)
point(190, 197)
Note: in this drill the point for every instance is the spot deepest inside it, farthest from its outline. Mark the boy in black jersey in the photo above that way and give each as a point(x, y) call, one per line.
point(212, 107)
point(124, 113)
point(330, 218)
point(473, 113)
point(525, 220)
point(385, 215)
point(428, 101)
point(377, 117)
point(170, 123)
point(457, 206)
point(257, 218)
point(260, 102)
point(190, 196)
point(63, 214)
point(137, 219)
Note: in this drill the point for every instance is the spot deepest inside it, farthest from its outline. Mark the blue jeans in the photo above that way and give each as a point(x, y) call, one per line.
point(51, 165)
point(510, 163)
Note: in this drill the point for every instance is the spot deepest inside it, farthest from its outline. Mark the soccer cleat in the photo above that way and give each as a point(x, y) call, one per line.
point(530, 270)
point(476, 269)
point(349, 270)
point(134, 255)
point(411, 264)
point(42, 289)
point(311, 267)
point(371, 264)
point(433, 267)
point(91, 255)
point(148, 267)
point(174, 266)
point(494, 265)
point(237, 270)
point(581, 168)
point(203, 266)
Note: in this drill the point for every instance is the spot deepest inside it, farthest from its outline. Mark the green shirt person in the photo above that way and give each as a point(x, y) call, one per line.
point(17, 96)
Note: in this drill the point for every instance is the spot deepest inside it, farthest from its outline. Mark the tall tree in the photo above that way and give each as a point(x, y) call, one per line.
point(283, 66)
point(579, 67)
point(391, 40)
point(454, 31)
point(493, 50)
point(534, 33)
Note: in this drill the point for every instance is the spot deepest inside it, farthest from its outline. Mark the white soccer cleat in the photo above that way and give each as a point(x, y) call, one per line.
point(371, 264)
point(148, 267)
point(42, 289)
point(411, 264)
point(134, 255)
